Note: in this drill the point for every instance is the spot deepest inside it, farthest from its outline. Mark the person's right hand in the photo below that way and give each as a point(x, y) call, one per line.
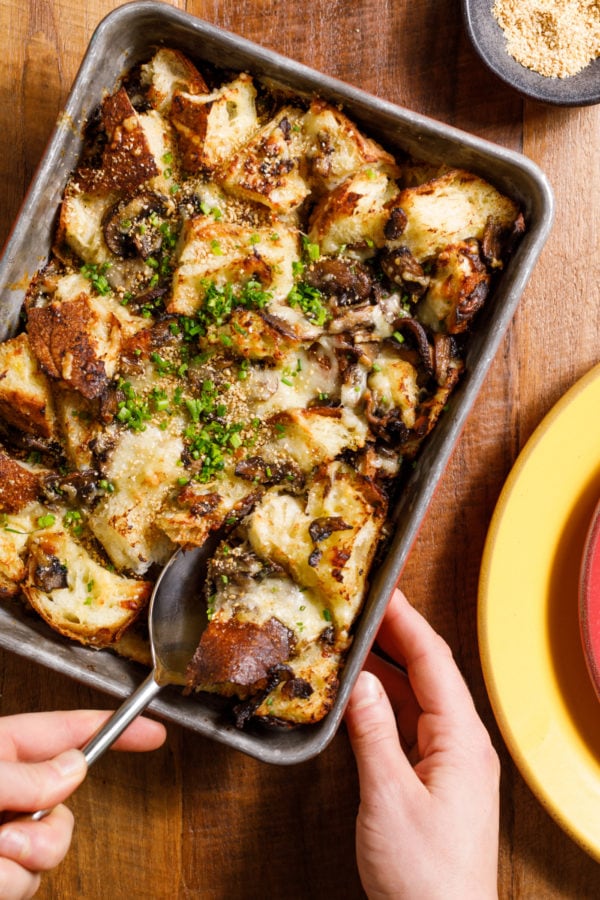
point(428, 820)
point(38, 770)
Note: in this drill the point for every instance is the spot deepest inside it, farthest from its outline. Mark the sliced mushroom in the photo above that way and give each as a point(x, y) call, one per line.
point(396, 224)
point(444, 354)
point(49, 573)
point(431, 409)
point(22, 444)
point(261, 383)
point(130, 227)
point(324, 526)
point(102, 446)
point(206, 504)
point(497, 241)
point(230, 570)
point(349, 282)
point(351, 319)
point(388, 426)
point(402, 269)
point(150, 299)
point(76, 487)
point(412, 332)
point(259, 471)
point(297, 687)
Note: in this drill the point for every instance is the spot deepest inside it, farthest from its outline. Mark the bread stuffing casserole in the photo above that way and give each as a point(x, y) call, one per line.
point(252, 317)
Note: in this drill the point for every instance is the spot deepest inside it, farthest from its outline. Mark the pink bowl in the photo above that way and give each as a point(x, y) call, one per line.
point(589, 600)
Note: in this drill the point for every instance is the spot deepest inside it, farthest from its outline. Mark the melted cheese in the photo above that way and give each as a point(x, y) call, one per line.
point(143, 468)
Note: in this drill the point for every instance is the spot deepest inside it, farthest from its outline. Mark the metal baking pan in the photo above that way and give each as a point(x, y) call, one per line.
point(126, 36)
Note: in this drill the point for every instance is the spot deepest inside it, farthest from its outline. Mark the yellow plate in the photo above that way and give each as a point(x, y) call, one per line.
point(529, 636)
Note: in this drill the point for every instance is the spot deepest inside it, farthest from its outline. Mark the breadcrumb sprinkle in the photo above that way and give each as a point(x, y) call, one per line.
point(556, 38)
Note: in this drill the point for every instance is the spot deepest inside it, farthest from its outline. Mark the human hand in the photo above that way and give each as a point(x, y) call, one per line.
point(429, 776)
point(38, 770)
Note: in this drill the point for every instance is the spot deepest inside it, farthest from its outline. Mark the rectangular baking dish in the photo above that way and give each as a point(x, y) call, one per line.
point(123, 38)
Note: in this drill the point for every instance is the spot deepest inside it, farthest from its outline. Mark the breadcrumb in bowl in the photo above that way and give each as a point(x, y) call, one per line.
point(547, 50)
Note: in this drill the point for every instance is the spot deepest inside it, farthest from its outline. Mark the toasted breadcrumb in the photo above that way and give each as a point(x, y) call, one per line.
point(556, 38)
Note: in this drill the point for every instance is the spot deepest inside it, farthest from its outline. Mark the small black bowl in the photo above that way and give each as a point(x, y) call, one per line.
point(489, 41)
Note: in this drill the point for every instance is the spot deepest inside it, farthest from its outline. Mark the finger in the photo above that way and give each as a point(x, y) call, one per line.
point(374, 737)
point(31, 786)
point(397, 686)
point(434, 676)
point(17, 883)
point(38, 736)
point(38, 846)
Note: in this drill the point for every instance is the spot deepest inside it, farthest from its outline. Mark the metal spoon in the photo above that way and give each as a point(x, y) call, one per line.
point(176, 619)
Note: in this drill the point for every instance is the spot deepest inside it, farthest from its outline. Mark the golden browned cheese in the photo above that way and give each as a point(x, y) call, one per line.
point(247, 326)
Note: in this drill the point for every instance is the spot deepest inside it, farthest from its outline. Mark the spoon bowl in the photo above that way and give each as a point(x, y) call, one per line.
point(176, 619)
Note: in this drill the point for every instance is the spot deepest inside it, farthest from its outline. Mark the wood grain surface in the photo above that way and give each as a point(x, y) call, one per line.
point(196, 819)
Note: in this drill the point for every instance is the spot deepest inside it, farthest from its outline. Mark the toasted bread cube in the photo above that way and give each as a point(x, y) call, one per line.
point(139, 150)
point(236, 655)
point(25, 393)
point(202, 508)
point(455, 207)
point(237, 649)
point(337, 149)
point(19, 484)
point(335, 564)
point(247, 334)
point(269, 168)
point(80, 223)
point(161, 143)
point(77, 341)
point(75, 594)
point(211, 127)
point(393, 383)
point(142, 469)
point(79, 427)
point(458, 288)
point(223, 252)
point(259, 619)
point(14, 535)
point(127, 160)
point(170, 71)
point(310, 694)
point(70, 287)
point(317, 435)
point(353, 215)
point(303, 374)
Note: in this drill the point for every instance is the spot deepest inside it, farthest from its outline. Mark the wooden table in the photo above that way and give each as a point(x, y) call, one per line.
point(196, 819)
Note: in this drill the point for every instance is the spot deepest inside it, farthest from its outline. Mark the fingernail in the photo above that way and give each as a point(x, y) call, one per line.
point(367, 690)
point(69, 763)
point(14, 844)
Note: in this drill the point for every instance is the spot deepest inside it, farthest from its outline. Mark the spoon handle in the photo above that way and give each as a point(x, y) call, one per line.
point(113, 728)
point(120, 719)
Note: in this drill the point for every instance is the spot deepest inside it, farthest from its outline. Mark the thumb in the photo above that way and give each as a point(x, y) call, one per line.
point(374, 735)
point(28, 786)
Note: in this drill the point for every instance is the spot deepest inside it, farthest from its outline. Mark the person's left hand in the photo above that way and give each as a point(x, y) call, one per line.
point(38, 769)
